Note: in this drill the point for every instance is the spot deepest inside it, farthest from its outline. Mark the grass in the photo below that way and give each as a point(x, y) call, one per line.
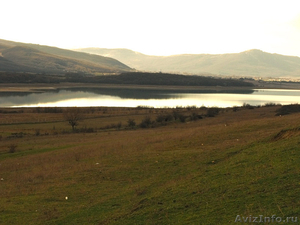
point(206, 171)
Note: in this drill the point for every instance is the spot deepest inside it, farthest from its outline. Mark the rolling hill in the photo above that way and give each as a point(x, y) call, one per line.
point(251, 63)
point(21, 57)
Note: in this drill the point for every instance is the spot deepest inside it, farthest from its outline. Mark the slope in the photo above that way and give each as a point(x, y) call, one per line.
point(43, 62)
point(254, 63)
point(52, 59)
point(200, 172)
point(7, 65)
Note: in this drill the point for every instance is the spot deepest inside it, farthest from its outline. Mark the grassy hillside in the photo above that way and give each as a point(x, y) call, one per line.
point(43, 62)
point(249, 63)
point(45, 59)
point(241, 161)
point(7, 65)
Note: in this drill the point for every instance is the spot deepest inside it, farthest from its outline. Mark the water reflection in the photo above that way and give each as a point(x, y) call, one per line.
point(149, 97)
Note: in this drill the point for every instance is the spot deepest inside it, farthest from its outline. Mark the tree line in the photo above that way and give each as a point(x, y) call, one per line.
point(137, 78)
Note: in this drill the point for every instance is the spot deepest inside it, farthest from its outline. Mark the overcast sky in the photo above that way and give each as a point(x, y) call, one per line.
point(156, 27)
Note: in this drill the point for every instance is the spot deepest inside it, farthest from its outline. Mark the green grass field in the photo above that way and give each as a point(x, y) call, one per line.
point(242, 162)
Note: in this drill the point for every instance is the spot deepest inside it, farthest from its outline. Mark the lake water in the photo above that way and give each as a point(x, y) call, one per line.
point(140, 97)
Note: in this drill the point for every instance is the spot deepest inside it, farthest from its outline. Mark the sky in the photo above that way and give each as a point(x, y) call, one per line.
point(156, 27)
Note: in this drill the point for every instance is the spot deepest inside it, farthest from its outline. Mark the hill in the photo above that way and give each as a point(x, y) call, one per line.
point(252, 63)
point(148, 166)
point(21, 57)
point(7, 65)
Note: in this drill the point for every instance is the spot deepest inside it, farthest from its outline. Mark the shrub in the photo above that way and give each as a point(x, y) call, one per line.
point(164, 118)
point(195, 116)
point(146, 122)
point(17, 135)
point(119, 125)
point(52, 110)
point(37, 132)
point(270, 104)
point(191, 107)
point(88, 130)
point(287, 109)
point(248, 106)
point(235, 108)
point(144, 107)
point(179, 116)
point(175, 115)
point(211, 112)
point(12, 148)
point(169, 117)
point(131, 123)
point(160, 118)
point(182, 118)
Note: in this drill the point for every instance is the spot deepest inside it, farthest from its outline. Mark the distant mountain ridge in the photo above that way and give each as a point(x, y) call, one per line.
point(251, 63)
point(21, 57)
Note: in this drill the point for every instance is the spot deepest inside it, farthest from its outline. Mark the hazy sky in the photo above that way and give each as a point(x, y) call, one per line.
point(156, 27)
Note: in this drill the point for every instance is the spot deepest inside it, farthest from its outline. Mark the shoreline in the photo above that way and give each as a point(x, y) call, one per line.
point(42, 87)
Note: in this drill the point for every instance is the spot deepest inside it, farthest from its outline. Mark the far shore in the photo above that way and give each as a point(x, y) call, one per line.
point(42, 87)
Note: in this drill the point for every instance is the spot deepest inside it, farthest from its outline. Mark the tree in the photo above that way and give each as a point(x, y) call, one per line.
point(73, 115)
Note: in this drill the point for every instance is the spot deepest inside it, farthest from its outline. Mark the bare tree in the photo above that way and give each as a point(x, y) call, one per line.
point(72, 116)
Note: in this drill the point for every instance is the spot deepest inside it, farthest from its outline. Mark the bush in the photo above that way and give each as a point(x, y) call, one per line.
point(164, 118)
point(160, 118)
point(119, 125)
point(211, 112)
point(17, 135)
point(248, 106)
point(146, 122)
point(191, 107)
point(144, 107)
point(51, 110)
point(86, 130)
point(195, 116)
point(12, 148)
point(37, 132)
point(131, 123)
point(181, 118)
point(288, 109)
point(270, 104)
point(176, 115)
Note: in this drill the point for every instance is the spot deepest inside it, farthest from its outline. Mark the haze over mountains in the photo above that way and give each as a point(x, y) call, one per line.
point(251, 63)
point(21, 57)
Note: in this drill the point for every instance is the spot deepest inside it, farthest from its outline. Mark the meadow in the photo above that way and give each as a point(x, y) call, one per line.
point(149, 166)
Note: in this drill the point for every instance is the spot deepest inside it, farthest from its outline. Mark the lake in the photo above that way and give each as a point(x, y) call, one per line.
point(113, 97)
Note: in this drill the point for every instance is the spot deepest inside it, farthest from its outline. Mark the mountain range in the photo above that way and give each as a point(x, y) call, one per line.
point(21, 57)
point(251, 63)
point(34, 58)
